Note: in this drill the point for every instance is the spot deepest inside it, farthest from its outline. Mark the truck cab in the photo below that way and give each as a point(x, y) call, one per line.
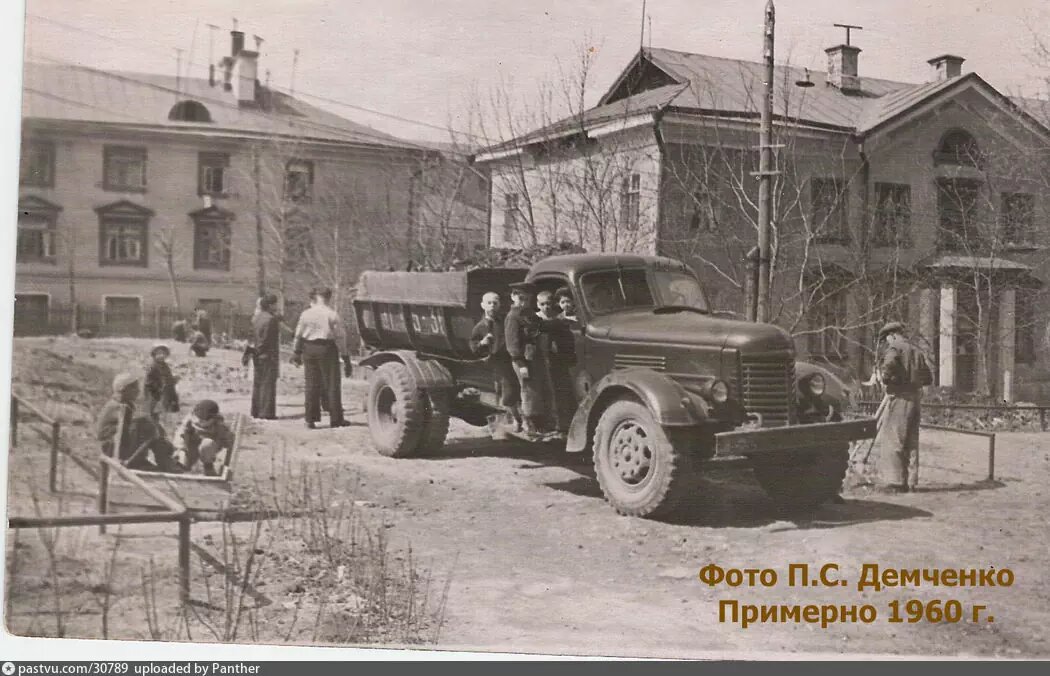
point(664, 385)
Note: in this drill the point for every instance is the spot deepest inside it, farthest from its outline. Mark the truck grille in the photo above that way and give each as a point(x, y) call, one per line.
point(766, 385)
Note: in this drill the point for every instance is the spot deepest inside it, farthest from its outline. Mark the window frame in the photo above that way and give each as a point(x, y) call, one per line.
point(593, 273)
point(109, 152)
point(1025, 233)
point(511, 213)
point(25, 178)
point(896, 217)
point(309, 171)
point(123, 221)
point(50, 232)
point(631, 200)
point(819, 341)
point(212, 160)
point(220, 228)
point(817, 189)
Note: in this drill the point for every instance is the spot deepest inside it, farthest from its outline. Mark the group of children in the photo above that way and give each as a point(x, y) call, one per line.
point(532, 354)
point(202, 435)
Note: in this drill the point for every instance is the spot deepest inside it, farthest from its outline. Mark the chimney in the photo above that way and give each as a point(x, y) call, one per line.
point(842, 67)
point(245, 77)
point(945, 67)
point(237, 43)
point(211, 74)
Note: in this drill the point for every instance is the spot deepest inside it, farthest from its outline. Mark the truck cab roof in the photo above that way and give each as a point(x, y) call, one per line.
point(574, 265)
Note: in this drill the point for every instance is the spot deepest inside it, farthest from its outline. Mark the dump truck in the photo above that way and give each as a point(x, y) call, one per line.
point(666, 387)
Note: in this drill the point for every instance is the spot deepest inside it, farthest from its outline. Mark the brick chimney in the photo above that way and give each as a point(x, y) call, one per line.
point(842, 67)
point(945, 67)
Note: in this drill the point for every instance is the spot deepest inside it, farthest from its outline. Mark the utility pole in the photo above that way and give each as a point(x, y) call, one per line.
point(766, 172)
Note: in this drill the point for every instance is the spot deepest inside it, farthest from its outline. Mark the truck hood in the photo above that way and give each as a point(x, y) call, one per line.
point(646, 326)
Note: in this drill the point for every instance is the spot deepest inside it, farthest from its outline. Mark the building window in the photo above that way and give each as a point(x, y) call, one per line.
point(211, 245)
point(124, 243)
point(122, 315)
point(828, 337)
point(124, 169)
point(957, 207)
point(1025, 326)
point(212, 174)
point(299, 180)
point(892, 215)
point(36, 238)
point(189, 111)
point(958, 148)
point(703, 217)
point(38, 164)
point(830, 203)
point(631, 200)
point(1018, 217)
point(511, 217)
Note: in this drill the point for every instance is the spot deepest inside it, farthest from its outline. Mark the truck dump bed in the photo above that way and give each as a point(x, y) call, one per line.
point(428, 312)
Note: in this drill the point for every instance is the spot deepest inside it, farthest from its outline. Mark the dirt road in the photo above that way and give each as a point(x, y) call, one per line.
point(539, 562)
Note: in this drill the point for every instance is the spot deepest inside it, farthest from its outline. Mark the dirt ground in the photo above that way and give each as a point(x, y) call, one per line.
point(536, 561)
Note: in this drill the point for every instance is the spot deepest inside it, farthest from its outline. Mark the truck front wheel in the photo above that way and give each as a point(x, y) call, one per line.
point(639, 469)
point(804, 480)
point(396, 411)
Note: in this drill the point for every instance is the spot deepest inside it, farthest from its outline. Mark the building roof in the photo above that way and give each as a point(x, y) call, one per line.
point(698, 84)
point(71, 93)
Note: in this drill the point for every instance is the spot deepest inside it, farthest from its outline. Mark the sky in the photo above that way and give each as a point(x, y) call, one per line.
point(424, 60)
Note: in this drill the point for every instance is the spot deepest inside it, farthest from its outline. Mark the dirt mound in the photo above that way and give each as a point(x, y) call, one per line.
point(62, 387)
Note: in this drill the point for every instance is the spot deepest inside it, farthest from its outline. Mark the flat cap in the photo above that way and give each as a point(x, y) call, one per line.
point(892, 327)
point(268, 299)
point(160, 347)
point(525, 287)
point(122, 381)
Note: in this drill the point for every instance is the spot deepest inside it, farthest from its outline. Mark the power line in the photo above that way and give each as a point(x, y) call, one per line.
point(295, 92)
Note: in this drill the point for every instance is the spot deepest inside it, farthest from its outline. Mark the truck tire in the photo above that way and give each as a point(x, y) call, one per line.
point(639, 468)
point(804, 480)
point(396, 411)
point(435, 422)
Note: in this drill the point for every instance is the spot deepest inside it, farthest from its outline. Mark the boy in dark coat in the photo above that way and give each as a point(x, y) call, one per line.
point(562, 360)
point(521, 331)
point(203, 435)
point(488, 341)
point(160, 394)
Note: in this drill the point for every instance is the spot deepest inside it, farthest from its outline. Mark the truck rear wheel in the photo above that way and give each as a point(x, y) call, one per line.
point(396, 411)
point(639, 469)
point(435, 421)
point(804, 480)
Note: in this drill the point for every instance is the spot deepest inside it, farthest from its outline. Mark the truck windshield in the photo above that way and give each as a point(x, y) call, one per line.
point(679, 289)
point(614, 290)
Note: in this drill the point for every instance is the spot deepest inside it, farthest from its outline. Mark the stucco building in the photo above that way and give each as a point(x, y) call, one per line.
point(923, 202)
point(138, 191)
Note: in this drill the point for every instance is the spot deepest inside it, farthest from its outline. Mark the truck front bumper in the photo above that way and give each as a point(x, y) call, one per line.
point(743, 442)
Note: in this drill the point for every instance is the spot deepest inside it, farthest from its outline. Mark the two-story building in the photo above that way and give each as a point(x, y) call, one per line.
point(925, 202)
point(141, 192)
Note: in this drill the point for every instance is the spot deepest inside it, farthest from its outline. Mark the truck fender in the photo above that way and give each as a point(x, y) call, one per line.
point(428, 374)
point(670, 403)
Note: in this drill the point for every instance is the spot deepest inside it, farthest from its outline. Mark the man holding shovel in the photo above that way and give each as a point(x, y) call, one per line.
point(904, 372)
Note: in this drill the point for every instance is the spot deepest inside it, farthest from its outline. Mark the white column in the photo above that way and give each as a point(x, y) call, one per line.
point(1007, 333)
point(946, 370)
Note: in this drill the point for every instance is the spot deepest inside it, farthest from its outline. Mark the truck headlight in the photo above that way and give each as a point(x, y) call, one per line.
point(718, 390)
point(816, 385)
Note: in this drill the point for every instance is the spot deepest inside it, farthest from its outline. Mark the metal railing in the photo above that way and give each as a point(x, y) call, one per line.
point(868, 405)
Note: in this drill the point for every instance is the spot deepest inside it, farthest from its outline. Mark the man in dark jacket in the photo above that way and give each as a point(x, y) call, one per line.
point(521, 331)
point(904, 372)
point(488, 341)
point(265, 355)
point(160, 394)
